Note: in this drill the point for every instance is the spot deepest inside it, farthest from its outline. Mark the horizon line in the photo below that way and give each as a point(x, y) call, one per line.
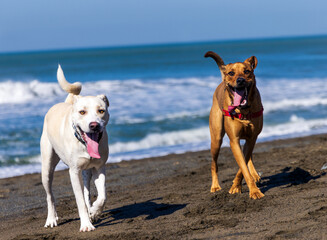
point(73, 49)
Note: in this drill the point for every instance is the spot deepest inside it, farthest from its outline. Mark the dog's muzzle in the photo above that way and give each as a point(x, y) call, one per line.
point(241, 83)
point(90, 140)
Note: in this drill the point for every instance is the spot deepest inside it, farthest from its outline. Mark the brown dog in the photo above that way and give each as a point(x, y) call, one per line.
point(236, 110)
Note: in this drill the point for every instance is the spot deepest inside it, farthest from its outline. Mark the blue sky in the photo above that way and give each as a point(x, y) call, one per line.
point(41, 24)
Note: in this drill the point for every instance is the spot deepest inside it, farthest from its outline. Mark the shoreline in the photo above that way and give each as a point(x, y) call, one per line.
point(62, 167)
point(169, 197)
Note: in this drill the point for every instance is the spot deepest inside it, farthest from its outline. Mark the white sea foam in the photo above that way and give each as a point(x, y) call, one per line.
point(286, 104)
point(165, 99)
point(285, 94)
point(296, 126)
point(159, 118)
point(23, 92)
point(163, 139)
point(133, 100)
point(17, 170)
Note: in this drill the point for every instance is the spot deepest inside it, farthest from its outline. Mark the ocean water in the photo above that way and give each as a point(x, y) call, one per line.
point(160, 96)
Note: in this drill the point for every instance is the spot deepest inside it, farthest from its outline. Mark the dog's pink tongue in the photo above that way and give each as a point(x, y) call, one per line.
point(238, 96)
point(92, 144)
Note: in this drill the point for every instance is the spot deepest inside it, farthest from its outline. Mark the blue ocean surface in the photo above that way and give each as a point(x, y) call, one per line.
point(160, 96)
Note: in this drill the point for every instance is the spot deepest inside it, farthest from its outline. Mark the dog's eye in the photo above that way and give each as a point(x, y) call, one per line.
point(82, 112)
point(101, 111)
point(231, 73)
point(246, 71)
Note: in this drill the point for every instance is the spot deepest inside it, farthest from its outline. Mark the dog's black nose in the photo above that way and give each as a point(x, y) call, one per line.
point(94, 126)
point(240, 81)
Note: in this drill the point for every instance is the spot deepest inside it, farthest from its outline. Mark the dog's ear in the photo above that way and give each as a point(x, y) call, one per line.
point(253, 61)
point(219, 61)
point(104, 98)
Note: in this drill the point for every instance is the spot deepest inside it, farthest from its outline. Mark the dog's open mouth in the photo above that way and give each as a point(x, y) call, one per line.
point(240, 98)
point(92, 142)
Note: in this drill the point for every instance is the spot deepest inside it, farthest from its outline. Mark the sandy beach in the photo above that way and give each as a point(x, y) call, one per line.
point(168, 198)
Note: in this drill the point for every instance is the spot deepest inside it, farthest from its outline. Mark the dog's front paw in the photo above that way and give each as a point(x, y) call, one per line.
point(236, 188)
point(87, 227)
point(51, 221)
point(256, 194)
point(95, 214)
point(94, 217)
point(215, 189)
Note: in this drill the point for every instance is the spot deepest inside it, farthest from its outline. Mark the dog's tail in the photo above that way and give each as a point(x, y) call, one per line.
point(74, 88)
point(217, 58)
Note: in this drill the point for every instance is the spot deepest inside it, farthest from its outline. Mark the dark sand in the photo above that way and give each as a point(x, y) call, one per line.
point(169, 198)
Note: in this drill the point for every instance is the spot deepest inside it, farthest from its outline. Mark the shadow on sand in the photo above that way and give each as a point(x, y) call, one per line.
point(286, 178)
point(148, 209)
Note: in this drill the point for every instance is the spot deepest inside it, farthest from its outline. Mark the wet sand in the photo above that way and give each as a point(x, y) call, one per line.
point(169, 198)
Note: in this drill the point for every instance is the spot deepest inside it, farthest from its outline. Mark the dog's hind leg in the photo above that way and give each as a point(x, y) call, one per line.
point(99, 181)
point(49, 162)
point(217, 132)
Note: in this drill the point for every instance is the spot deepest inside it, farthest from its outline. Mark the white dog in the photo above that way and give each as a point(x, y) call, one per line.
point(75, 132)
